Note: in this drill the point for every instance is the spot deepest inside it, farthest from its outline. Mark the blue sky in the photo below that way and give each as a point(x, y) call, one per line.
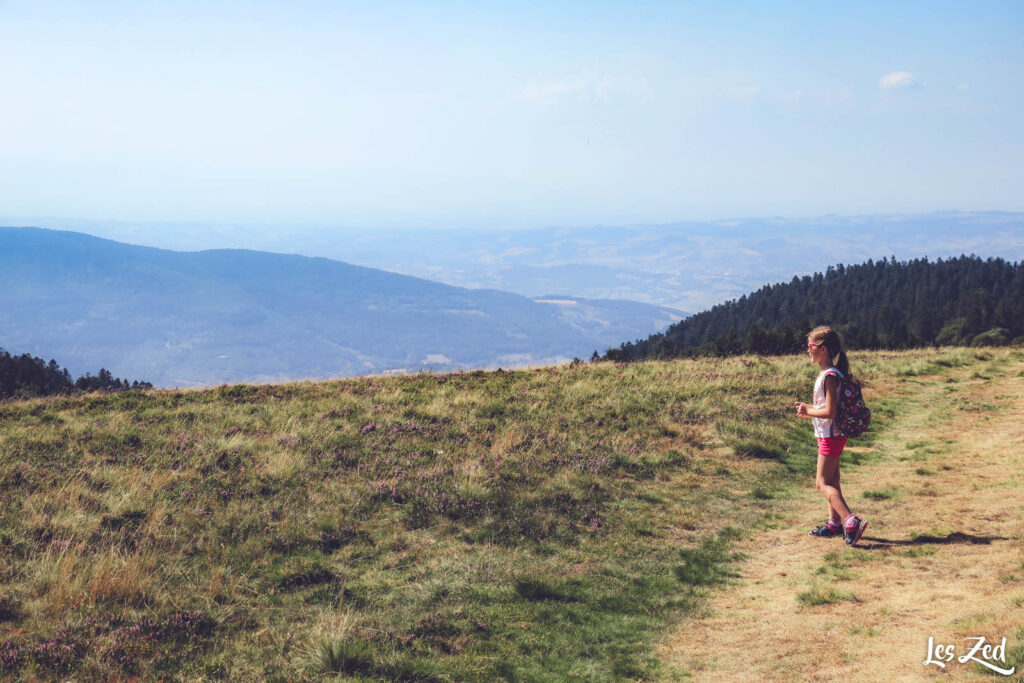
point(507, 115)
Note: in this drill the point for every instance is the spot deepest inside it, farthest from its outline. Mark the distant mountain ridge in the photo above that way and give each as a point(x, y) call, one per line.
point(186, 318)
point(689, 266)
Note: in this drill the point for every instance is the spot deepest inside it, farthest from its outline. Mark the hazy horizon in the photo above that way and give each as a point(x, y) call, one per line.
point(507, 116)
point(687, 266)
point(120, 229)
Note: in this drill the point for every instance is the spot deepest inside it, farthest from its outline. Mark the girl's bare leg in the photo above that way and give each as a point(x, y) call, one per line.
point(833, 514)
point(827, 480)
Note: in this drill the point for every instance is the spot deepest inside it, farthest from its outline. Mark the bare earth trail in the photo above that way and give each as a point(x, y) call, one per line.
point(941, 556)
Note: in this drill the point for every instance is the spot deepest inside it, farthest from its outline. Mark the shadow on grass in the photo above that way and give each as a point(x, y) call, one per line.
point(955, 538)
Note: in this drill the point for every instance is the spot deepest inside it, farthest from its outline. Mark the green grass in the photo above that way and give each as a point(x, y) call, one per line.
point(880, 494)
point(933, 535)
point(836, 568)
point(468, 526)
point(709, 564)
point(817, 595)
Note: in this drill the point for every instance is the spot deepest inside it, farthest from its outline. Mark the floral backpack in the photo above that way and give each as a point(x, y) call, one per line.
point(852, 415)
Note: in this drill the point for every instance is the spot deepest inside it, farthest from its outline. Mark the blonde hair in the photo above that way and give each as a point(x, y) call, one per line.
point(833, 343)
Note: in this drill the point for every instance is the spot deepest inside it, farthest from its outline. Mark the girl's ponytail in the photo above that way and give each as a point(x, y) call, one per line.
point(842, 364)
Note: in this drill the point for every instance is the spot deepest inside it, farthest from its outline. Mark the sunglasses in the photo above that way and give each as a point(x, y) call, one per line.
point(811, 347)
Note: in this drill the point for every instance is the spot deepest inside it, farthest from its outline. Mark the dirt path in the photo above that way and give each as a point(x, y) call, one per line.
point(941, 556)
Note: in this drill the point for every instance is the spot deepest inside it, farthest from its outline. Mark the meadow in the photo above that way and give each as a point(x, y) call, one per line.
point(545, 524)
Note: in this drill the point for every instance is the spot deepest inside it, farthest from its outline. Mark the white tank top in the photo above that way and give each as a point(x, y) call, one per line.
point(823, 425)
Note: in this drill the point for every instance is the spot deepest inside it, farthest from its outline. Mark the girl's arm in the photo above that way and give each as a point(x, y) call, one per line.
point(831, 401)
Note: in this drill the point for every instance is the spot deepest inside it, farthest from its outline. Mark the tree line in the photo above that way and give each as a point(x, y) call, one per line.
point(886, 304)
point(25, 376)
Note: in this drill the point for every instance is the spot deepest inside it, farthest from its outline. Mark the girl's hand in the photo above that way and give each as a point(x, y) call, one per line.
point(801, 409)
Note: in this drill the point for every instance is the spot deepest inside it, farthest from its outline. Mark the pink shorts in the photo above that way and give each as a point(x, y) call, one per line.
point(832, 446)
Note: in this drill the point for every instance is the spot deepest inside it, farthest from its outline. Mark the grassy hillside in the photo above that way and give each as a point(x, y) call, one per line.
point(552, 523)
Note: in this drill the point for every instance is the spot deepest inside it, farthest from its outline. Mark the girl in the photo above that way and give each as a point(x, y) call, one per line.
point(826, 349)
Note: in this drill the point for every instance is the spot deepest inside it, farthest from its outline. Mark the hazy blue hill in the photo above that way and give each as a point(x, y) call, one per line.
point(178, 318)
point(689, 266)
